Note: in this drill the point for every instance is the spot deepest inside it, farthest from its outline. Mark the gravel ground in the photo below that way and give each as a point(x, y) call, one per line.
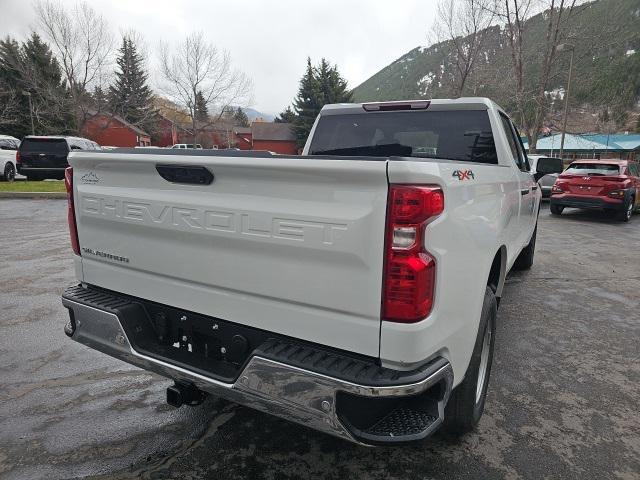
point(563, 401)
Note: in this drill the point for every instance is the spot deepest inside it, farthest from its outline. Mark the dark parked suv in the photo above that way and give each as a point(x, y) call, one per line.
point(46, 157)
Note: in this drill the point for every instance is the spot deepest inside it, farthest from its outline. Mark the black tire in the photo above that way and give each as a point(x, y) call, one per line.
point(9, 172)
point(624, 215)
point(556, 209)
point(525, 259)
point(466, 404)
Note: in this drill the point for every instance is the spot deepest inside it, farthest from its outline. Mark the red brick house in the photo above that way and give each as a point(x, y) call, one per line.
point(243, 138)
point(209, 137)
point(166, 133)
point(111, 130)
point(274, 137)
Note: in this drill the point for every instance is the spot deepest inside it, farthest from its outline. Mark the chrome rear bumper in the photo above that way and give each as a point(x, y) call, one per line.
point(297, 394)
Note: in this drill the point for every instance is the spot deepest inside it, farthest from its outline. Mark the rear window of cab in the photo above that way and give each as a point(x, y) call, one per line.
point(44, 145)
point(443, 134)
point(598, 169)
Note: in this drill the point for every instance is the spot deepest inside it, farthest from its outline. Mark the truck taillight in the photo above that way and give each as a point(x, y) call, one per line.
point(71, 213)
point(409, 270)
point(18, 160)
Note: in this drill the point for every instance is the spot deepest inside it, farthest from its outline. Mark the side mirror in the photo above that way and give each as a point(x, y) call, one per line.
point(546, 166)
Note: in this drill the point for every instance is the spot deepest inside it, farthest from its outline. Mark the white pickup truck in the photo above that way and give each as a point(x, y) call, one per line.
point(352, 289)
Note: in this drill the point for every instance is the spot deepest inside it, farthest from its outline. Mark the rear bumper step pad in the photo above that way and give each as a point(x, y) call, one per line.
point(349, 397)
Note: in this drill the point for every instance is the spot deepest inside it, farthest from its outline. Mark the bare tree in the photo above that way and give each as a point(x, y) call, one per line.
point(196, 68)
point(464, 23)
point(530, 90)
point(559, 12)
point(82, 42)
point(9, 105)
point(515, 13)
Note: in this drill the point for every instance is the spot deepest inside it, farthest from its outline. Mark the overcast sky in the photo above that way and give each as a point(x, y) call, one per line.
point(268, 39)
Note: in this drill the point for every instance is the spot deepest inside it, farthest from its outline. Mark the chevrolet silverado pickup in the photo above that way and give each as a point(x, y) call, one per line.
point(352, 289)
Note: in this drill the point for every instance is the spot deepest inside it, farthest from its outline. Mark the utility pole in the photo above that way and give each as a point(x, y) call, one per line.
point(28, 95)
point(566, 46)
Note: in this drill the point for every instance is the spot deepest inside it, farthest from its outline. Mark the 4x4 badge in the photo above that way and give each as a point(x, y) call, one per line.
point(463, 175)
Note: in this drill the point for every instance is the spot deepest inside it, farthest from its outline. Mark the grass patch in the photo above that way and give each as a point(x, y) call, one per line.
point(26, 186)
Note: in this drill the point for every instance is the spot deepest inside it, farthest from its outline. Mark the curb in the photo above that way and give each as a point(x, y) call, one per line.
point(34, 195)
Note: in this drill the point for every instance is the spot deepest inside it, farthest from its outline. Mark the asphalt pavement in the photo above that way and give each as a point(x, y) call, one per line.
point(564, 398)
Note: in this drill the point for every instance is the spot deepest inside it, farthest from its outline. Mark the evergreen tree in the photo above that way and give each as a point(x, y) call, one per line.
point(333, 87)
point(12, 103)
point(240, 118)
point(286, 116)
point(319, 86)
point(31, 67)
point(130, 96)
point(307, 104)
point(201, 110)
point(50, 96)
point(99, 99)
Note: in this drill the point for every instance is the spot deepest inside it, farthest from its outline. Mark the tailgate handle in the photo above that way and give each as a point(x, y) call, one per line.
point(186, 174)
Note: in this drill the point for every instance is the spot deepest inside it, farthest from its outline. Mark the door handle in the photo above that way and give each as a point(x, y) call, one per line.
point(534, 188)
point(524, 191)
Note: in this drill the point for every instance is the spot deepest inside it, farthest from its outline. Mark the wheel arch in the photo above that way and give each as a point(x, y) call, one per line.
point(497, 272)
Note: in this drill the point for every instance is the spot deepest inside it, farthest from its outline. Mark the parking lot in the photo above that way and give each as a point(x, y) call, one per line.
point(563, 401)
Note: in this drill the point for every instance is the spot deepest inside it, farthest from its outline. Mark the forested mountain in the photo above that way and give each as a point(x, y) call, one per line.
point(606, 73)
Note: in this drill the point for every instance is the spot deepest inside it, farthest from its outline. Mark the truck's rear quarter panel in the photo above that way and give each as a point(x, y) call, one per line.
point(464, 239)
point(289, 245)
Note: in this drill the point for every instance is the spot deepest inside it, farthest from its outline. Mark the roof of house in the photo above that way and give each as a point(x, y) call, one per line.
point(242, 130)
point(121, 120)
point(272, 131)
point(614, 142)
point(162, 116)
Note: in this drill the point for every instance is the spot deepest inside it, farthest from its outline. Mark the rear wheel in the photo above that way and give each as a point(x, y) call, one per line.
point(625, 214)
point(525, 259)
point(9, 172)
point(556, 209)
point(466, 405)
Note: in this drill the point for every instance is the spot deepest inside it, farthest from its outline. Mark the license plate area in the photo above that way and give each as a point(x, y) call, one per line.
point(206, 345)
point(585, 190)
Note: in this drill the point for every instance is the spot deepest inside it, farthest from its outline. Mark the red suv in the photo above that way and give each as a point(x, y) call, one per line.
point(612, 185)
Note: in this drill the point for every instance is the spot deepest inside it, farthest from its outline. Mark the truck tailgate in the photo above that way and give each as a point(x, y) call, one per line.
point(289, 245)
